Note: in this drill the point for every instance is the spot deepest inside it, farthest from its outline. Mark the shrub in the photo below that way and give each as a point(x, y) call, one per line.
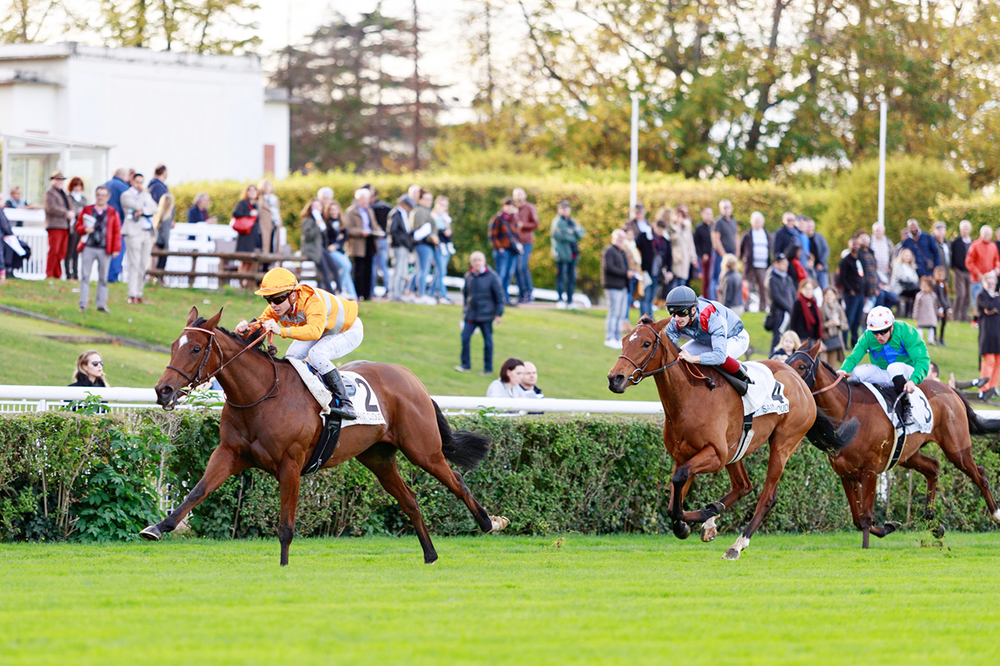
point(978, 211)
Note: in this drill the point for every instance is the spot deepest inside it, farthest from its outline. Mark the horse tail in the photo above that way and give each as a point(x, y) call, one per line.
point(462, 447)
point(977, 424)
point(829, 438)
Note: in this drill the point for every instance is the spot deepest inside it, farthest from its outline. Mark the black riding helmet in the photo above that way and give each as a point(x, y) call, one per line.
point(682, 301)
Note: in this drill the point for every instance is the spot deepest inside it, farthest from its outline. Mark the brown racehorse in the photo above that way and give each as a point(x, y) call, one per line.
point(859, 464)
point(271, 422)
point(704, 423)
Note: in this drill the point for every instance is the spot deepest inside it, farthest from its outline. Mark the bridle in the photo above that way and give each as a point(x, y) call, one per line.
point(213, 344)
point(811, 371)
point(640, 372)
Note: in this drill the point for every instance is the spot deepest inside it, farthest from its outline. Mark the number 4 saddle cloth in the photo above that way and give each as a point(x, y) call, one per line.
point(362, 396)
point(765, 395)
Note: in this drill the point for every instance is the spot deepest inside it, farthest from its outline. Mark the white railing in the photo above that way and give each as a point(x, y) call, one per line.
point(42, 398)
point(38, 240)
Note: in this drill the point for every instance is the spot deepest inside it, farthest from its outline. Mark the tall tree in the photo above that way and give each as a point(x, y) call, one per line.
point(25, 21)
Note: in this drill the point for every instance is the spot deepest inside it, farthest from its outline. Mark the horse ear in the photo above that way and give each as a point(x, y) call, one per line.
point(662, 324)
point(192, 315)
point(214, 321)
point(804, 346)
point(814, 350)
point(647, 319)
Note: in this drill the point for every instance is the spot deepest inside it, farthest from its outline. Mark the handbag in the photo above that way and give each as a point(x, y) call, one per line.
point(769, 322)
point(516, 247)
point(243, 225)
point(833, 343)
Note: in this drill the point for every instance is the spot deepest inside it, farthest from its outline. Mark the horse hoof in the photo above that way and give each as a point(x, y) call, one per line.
point(709, 534)
point(431, 560)
point(682, 530)
point(715, 508)
point(499, 524)
point(151, 533)
point(891, 527)
point(938, 532)
point(731, 554)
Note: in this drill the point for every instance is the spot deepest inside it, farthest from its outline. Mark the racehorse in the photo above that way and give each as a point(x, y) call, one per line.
point(272, 422)
point(859, 464)
point(704, 423)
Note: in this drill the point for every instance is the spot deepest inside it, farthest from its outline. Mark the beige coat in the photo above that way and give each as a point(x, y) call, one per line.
point(682, 249)
point(354, 226)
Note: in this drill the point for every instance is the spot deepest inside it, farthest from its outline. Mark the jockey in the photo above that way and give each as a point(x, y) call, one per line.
point(323, 326)
point(899, 357)
point(717, 334)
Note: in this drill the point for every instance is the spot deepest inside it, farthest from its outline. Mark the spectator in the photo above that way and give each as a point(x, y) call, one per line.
point(905, 281)
point(139, 232)
point(506, 386)
point(933, 372)
point(565, 238)
point(527, 219)
point(781, 289)
point(401, 235)
point(724, 233)
point(944, 248)
point(662, 253)
point(988, 311)
point(806, 320)
point(90, 370)
point(755, 251)
point(163, 220)
point(796, 268)
point(983, 257)
point(615, 276)
point(158, 183)
point(731, 284)
point(336, 237)
point(362, 232)
point(506, 243)
point(15, 200)
point(116, 187)
point(198, 212)
point(5, 233)
point(925, 309)
point(249, 242)
point(325, 196)
point(941, 294)
point(380, 262)
point(703, 247)
point(483, 306)
point(872, 283)
point(313, 244)
point(881, 248)
point(642, 234)
point(684, 264)
point(820, 251)
point(100, 240)
point(852, 285)
point(268, 217)
point(77, 200)
point(924, 248)
point(959, 252)
point(425, 242)
point(527, 386)
point(445, 248)
point(58, 214)
point(786, 235)
point(834, 324)
point(787, 345)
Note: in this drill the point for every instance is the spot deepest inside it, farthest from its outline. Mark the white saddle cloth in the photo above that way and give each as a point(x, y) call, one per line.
point(921, 415)
point(765, 395)
point(362, 396)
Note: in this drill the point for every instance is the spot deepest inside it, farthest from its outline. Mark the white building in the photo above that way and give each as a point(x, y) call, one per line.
point(88, 110)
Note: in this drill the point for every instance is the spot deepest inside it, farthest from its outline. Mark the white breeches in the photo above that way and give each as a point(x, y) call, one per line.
point(332, 345)
point(876, 375)
point(735, 346)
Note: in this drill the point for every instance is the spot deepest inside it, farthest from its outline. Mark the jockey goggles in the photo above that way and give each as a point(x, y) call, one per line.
point(277, 299)
point(681, 311)
point(884, 331)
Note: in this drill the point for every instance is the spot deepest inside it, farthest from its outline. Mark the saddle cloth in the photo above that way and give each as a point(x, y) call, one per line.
point(921, 418)
point(765, 395)
point(362, 396)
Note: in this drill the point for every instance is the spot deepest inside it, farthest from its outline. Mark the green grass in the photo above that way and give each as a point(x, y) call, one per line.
point(565, 345)
point(792, 599)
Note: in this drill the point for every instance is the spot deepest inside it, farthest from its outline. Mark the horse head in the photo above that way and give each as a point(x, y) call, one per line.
point(805, 361)
point(190, 356)
point(645, 351)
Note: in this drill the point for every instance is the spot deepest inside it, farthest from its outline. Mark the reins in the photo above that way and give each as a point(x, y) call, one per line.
point(640, 372)
point(810, 379)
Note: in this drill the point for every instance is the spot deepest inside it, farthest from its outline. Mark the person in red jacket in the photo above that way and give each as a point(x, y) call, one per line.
point(981, 258)
point(527, 217)
point(100, 230)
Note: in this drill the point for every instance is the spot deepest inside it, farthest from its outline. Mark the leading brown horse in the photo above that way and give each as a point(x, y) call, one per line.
point(859, 464)
point(704, 423)
point(271, 422)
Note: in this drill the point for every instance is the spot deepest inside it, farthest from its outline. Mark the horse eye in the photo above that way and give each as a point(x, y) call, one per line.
point(646, 343)
point(195, 350)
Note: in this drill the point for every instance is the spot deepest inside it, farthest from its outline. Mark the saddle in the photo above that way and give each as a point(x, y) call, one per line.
point(738, 384)
point(891, 397)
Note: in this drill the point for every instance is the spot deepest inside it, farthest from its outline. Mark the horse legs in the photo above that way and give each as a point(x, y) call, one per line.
point(382, 462)
point(853, 491)
point(436, 465)
point(929, 468)
point(221, 465)
point(740, 487)
point(781, 447)
point(964, 461)
point(289, 479)
point(705, 461)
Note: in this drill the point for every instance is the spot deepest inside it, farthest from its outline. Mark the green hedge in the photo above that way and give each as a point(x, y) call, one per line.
point(66, 476)
point(978, 211)
point(600, 206)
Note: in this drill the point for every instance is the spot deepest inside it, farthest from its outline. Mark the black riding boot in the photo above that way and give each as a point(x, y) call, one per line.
point(341, 405)
point(903, 402)
point(741, 374)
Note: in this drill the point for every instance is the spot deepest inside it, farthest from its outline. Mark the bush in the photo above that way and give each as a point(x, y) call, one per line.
point(912, 187)
point(67, 476)
point(600, 205)
point(978, 211)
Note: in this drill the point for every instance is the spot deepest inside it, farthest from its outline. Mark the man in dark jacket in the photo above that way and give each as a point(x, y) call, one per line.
point(787, 235)
point(484, 301)
point(158, 186)
point(852, 283)
point(755, 253)
point(923, 247)
point(703, 246)
point(117, 186)
point(401, 237)
point(615, 276)
point(959, 248)
point(782, 291)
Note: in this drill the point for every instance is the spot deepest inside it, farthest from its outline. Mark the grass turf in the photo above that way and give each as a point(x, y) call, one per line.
point(565, 345)
point(792, 599)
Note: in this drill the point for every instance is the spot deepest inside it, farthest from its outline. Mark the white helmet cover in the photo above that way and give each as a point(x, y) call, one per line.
point(880, 318)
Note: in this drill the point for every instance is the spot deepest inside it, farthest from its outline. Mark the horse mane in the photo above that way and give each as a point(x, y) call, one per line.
point(243, 342)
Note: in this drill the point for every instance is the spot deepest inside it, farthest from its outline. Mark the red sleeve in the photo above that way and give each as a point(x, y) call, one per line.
point(81, 228)
point(114, 231)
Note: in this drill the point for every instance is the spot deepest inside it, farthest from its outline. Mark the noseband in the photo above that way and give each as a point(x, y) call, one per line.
point(640, 372)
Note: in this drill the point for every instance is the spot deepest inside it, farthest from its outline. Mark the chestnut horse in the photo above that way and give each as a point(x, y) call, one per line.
point(859, 464)
point(704, 423)
point(271, 422)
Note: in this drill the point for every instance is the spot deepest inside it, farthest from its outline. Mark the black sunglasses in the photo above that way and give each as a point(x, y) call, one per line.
point(97, 363)
point(277, 299)
point(882, 332)
point(679, 312)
